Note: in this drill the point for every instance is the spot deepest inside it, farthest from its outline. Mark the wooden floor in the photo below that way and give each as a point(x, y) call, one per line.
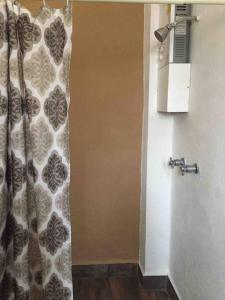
point(113, 289)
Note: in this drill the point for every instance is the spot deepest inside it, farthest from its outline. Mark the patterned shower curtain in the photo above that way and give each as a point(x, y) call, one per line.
point(35, 236)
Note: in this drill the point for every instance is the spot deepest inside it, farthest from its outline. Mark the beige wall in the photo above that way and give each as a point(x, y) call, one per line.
point(105, 131)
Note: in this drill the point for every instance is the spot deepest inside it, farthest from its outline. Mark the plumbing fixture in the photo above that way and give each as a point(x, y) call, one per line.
point(189, 169)
point(162, 33)
point(176, 162)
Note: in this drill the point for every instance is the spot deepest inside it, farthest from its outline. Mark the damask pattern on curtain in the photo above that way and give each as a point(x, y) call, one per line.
point(35, 233)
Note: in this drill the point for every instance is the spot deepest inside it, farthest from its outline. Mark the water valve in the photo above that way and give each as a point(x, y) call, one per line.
point(189, 169)
point(176, 162)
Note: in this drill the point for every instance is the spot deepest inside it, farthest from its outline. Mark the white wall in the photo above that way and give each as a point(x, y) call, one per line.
point(197, 265)
point(197, 245)
point(156, 176)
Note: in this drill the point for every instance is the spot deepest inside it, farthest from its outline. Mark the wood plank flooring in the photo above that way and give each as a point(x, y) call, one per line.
point(113, 289)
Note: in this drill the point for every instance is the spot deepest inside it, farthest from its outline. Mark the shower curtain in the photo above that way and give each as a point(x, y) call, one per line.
point(35, 235)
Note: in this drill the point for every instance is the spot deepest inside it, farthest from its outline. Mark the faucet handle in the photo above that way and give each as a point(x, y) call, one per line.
point(176, 162)
point(171, 163)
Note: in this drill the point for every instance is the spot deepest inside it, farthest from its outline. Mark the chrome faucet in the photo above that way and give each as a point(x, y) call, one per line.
point(183, 166)
point(176, 162)
point(189, 169)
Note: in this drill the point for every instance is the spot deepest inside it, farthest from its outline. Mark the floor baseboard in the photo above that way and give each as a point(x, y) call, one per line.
point(156, 283)
point(171, 291)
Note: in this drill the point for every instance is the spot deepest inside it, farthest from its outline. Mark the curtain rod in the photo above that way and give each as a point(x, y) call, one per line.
point(211, 2)
point(206, 2)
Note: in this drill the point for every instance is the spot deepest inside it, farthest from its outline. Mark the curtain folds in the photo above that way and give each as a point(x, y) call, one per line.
point(35, 233)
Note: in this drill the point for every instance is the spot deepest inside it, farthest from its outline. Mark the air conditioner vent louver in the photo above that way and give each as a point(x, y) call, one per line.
point(180, 48)
point(184, 10)
point(182, 35)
